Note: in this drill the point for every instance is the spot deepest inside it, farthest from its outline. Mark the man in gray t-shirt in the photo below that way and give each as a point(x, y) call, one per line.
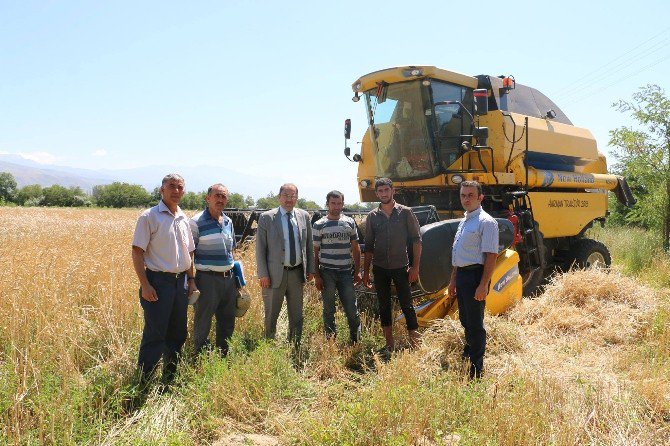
point(335, 242)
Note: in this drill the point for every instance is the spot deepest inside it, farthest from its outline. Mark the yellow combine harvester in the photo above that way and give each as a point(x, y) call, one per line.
point(544, 179)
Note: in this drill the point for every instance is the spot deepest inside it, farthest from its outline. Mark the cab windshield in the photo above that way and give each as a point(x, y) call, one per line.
point(399, 116)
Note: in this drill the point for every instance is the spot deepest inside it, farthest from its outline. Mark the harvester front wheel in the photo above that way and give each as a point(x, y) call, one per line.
point(587, 253)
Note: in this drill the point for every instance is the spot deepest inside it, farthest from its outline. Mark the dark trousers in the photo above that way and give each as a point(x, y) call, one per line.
point(383, 278)
point(218, 298)
point(471, 315)
point(164, 324)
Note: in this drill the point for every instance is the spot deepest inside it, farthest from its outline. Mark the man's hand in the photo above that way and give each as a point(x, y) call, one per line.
point(451, 289)
point(149, 293)
point(366, 280)
point(318, 282)
point(191, 287)
point(265, 282)
point(412, 274)
point(310, 276)
point(357, 278)
point(481, 292)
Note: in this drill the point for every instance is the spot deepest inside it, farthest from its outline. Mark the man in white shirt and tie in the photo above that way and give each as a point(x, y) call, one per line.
point(285, 261)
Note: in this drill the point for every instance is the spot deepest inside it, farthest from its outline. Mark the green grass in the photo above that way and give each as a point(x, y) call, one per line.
point(637, 252)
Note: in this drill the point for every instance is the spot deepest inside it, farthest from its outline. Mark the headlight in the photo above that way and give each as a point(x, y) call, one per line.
point(365, 183)
point(457, 179)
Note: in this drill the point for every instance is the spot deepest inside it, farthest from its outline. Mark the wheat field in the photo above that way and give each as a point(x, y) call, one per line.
point(587, 362)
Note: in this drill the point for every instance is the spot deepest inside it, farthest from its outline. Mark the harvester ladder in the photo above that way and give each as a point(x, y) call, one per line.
point(532, 244)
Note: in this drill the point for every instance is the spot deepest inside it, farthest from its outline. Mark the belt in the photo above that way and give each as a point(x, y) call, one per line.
point(471, 267)
point(228, 273)
point(291, 268)
point(168, 274)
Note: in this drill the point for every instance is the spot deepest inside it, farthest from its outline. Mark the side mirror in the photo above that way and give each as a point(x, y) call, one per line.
point(347, 128)
point(347, 152)
point(481, 101)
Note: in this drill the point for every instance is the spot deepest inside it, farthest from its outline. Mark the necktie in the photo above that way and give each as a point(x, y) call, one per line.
point(291, 241)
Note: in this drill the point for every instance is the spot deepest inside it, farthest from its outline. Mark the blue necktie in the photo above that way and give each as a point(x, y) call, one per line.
point(291, 241)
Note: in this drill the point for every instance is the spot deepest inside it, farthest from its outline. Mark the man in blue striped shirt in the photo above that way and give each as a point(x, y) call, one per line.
point(214, 238)
point(474, 255)
point(335, 241)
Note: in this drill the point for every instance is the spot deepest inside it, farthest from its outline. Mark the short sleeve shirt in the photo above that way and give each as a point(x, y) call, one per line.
point(333, 238)
point(165, 238)
point(477, 235)
point(214, 242)
point(388, 237)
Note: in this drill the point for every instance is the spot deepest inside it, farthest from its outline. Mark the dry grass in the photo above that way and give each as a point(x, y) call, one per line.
point(588, 362)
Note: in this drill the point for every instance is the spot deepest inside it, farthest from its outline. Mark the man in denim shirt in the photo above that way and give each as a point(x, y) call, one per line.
point(475, 251)
point(335, 241)
point(214, 238)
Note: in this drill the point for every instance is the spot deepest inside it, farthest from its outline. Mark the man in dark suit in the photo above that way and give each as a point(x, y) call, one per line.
point(285, 261)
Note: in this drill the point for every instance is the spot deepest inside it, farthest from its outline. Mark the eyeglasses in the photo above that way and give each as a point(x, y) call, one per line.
point(290, 197)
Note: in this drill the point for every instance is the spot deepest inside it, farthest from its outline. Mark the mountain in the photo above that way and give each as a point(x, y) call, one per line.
point(35, 173)
point(197, 178)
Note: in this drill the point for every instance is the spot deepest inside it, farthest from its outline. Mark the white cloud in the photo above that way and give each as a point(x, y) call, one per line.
point(2, 152)
point(99, 153)
point(39, 157)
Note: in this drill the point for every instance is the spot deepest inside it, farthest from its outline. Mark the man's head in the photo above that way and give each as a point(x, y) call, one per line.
point(334, 203)
point(288, 196)
point(471, 195)
point(384, 190)
point(217, 199)
point(172, 189)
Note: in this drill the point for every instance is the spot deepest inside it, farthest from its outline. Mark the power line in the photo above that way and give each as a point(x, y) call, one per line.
point(591, 77)
point(617, 69)
point(574, 101)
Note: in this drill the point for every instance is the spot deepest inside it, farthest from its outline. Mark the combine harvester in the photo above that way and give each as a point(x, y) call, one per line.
point(543, 178)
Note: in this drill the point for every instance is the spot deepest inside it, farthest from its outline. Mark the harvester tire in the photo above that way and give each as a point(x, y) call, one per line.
point(586, 253)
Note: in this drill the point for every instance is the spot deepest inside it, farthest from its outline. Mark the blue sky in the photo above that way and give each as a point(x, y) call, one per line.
point(264, 87)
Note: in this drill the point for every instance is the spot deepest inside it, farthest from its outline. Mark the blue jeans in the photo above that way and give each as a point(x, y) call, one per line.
point(343, 283)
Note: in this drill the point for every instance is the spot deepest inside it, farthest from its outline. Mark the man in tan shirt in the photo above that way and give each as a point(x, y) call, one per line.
point(162, 257)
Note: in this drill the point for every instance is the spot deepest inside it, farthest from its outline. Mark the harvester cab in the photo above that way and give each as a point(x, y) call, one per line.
point(430, 129)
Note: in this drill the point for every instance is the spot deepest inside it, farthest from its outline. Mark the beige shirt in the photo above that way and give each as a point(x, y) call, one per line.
point(165, 238)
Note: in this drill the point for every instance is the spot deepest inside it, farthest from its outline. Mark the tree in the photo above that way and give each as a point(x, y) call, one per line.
point(7, 186)
point(643, 156)
point(238, 201)
point(268, 202)
point(57, 195)
point(361, 206)
point(121, 195)
point(30, 195)
point(156, 195)
point(303, 203)
point(193, 200)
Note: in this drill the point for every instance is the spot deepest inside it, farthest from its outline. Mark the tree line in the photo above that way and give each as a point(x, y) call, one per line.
point(125, 195)
point(642, 156)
